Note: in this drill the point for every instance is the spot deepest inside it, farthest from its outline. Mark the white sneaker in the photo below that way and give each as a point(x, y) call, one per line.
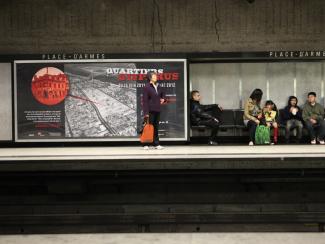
point(145, 148)
point(251, 143)
point(159, 147)
point(313, 142)
point(322, 142)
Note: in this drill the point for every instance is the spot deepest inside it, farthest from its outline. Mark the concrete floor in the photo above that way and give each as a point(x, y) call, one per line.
point(170, 152)
point(195, 238)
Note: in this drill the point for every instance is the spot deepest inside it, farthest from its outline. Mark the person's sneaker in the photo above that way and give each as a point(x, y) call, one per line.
point(251, 143)
point(313, 142)
point(322, 142)
point(159, 147)
point(213, 143)
point(146, 148)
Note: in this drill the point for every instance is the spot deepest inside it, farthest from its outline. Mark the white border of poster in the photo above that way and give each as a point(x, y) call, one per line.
point(100, 61)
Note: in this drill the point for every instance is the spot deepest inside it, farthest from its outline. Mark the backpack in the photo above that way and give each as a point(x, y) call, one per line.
point(262, 135)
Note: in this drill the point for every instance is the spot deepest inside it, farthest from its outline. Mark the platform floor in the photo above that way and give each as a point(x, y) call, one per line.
point(171, 158)
point(185, 238)
point(170, 152)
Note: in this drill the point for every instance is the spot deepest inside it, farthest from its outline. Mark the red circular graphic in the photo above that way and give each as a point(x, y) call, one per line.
point(50, 86)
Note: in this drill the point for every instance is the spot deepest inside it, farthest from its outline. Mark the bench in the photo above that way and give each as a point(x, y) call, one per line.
point(229, 122)
point(232, 125)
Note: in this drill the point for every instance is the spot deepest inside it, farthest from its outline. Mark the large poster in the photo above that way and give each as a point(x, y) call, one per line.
point(73, 100)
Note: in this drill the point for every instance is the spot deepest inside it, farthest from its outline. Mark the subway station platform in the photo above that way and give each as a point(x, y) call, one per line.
point(184, 238)
point(171, 157)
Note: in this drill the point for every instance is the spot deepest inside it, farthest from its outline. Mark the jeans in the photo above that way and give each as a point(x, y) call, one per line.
point(154, 120)
point(214, 125)
point(251, 125)
point(313, 128)
point(291, 124)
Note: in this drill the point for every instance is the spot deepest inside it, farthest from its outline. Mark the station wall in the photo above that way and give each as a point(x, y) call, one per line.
point(5, 102)
point(230, 84)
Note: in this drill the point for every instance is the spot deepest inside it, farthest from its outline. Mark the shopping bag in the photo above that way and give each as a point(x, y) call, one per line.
point(262, 135)
point(147, 134)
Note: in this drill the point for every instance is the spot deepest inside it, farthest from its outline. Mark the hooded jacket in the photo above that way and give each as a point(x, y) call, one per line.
point(287, 115)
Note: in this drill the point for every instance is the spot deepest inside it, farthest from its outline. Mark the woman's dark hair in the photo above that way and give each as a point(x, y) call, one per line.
point(290, 98)
point(150, 74)
point(270, 102)
point(257, 95)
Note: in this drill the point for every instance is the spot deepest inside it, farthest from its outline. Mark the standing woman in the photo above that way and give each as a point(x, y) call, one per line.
point(253, 113)
point(153, 97)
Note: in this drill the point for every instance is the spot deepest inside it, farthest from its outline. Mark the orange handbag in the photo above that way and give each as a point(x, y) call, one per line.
point(147, 134)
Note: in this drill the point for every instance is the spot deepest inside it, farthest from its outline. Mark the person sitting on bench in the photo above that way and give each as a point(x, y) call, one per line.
point(207, 115)
point(253, 113)
point(313, 115)
point(292, 118)
point(270, 113)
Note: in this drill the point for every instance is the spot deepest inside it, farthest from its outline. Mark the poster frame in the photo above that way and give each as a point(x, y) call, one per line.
point(185, 138)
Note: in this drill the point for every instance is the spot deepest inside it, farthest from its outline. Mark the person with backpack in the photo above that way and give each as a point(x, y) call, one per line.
point(253, 113)
point(270, 115)
point(292, 118)
point(208, 115)
point(313, 115)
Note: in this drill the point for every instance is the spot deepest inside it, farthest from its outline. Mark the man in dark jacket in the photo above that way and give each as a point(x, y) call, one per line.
point(153, 97)
point(207, 115)
point(292, 118)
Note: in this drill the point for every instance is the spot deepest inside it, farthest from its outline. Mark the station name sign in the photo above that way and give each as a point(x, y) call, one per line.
point(297, 54)
point(73, 56)
point(318, 54)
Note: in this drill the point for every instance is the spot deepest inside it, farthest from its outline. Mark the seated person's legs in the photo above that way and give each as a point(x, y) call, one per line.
point(251, 125)
point(321, 134)
point(294, 124)
point(275, 132)
point(289, 126)
point(273, 125)
point(214, 125)
point(311, 130)
point(299, 126)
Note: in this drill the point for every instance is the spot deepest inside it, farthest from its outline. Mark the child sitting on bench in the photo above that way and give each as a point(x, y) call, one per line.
point(270, 116)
